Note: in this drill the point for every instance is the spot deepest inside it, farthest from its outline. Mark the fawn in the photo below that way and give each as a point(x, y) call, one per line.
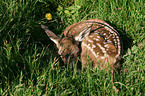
point(99, 42)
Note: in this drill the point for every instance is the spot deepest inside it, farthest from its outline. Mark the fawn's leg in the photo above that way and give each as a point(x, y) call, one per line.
point(116, 90)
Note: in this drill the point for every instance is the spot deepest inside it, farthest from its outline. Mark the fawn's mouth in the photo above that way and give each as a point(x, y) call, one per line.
point(68, 60)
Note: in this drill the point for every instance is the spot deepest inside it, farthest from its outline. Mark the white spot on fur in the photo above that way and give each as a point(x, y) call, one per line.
point(89, 48)
point(104, 34)
point(103, 50)
point(102, 57)
point(106, 28)
point(90, 40)
point(94, 38)
point(117, 37)
point(96, 33)
point(119, 47)
point(91, 36)
point(108, 41)
point(93, 46)
point(113, 37)
point(98, 36)
point(105, 45)
point(115, 41)
point(88, 25)
point(108, 36)
point(97, 39)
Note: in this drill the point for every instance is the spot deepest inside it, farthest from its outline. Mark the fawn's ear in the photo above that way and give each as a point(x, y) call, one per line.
point(50, 34)
point(82, 35)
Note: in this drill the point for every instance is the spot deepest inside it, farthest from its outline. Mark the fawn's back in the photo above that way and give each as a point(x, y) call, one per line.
point(100, 43)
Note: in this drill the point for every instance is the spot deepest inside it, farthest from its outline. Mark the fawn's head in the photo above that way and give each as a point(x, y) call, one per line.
point(68, 47)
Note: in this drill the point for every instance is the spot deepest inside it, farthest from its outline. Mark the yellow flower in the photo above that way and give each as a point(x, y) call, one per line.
point(48, 16)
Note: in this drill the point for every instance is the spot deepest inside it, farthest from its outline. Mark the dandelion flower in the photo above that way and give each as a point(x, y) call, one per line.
point(48, 16)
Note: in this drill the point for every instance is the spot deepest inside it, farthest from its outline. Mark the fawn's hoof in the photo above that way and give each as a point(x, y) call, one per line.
point(116, 90)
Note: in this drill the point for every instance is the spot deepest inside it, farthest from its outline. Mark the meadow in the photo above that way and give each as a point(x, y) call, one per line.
point(29, 64)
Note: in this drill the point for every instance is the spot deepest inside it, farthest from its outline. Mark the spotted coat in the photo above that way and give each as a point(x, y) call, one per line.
point(102, 45)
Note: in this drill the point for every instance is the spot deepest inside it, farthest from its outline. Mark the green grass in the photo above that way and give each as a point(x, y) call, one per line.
point(28, 61)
